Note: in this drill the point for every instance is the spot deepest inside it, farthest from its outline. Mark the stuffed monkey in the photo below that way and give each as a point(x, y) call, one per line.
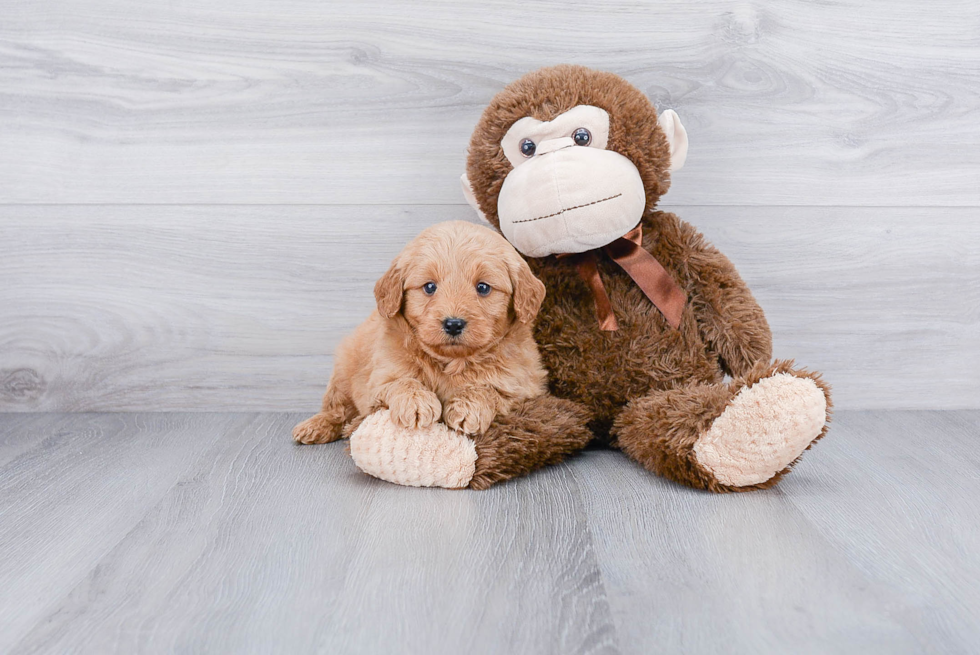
point(642, 319)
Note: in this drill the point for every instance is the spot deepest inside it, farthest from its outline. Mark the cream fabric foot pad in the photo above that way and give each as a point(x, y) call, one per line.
point(765, 427)
point(431, 457)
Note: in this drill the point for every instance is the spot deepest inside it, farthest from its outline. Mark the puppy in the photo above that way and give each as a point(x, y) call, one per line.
point(451, 338)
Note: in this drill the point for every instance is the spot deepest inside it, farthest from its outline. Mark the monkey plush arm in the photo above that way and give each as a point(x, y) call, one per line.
point(729, 318)
point(536, 432)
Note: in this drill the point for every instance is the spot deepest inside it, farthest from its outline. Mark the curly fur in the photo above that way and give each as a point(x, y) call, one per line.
point(402, 359)
point(722, 329)
point(648, 388)
point(537, 433)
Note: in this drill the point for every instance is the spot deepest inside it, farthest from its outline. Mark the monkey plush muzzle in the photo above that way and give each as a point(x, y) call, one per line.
point(568, 199)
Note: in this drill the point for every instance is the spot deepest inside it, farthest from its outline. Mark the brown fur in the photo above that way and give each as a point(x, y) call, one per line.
point(536, 433)
point(660, 429)
point(648, 387)
point(401, 358)
point(722, 329)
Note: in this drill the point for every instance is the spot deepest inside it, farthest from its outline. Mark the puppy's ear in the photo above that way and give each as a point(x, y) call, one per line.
point(528, 290)
point(389, 289)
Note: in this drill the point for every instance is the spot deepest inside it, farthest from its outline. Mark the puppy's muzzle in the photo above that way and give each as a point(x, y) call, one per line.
point(453, 326)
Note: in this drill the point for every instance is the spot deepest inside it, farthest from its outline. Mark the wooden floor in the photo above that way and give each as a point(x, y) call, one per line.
point(214, 533)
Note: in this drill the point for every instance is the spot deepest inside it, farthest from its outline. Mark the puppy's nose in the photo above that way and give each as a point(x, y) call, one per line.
point(453, 326)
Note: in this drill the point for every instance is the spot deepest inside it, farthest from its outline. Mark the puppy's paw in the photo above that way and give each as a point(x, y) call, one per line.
point(418, 408)
point(317, 429)
point(468, 415)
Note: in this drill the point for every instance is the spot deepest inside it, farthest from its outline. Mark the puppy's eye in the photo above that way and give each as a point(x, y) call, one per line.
point(429, 288)
point(582, 137)
point(528, 148)
point(483, 289)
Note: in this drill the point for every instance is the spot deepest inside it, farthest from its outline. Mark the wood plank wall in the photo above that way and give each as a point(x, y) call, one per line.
point(196, 197)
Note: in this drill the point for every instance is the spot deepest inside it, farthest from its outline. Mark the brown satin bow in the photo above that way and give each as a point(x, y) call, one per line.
point(646, 271)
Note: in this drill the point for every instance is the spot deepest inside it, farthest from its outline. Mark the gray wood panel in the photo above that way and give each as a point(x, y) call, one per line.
point(240, 308)
point(20, 432)
point(742, 573)
point(884, 301)
point(84, 485)
point(870, 545)
point(905, 514)
point(264, 546)
point(246, 101)
point(151, 533)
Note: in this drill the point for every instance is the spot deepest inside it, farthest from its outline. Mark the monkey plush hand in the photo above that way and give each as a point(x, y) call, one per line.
point(642, 320)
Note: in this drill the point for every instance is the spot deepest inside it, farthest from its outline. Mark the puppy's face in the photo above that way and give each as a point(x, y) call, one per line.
point(459, 286)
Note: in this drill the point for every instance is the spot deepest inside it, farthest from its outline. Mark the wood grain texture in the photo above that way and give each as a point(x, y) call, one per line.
point(20, 432)
point(905, 514)
point(264, 546)
point(352, 102)
point(740, 573)
point(240, 308)
point(870, 545)
point(884, 301)
point(83, 486)
point(152, 533)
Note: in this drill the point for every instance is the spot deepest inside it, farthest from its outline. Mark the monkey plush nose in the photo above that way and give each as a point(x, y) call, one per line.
point(453, 326)
point(552, 145)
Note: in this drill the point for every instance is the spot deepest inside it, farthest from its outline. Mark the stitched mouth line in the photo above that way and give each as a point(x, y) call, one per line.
point(588, 204)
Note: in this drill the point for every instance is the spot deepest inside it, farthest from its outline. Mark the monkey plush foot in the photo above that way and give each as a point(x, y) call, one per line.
point(434, 456)
point(727, 437)
point(764, 429)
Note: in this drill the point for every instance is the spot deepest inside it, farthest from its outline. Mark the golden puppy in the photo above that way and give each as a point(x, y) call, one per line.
point(451, 338)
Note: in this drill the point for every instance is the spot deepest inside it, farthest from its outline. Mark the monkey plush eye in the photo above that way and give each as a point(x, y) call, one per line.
point(582, 137)
point(483, 288)
point(528, 148)
point(429, 288)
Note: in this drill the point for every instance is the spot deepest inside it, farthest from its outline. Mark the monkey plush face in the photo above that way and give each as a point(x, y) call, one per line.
point(567, 159)
point(567, 192)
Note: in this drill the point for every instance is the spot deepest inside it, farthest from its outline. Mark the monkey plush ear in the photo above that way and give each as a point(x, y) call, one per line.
point(670, 123)
point(528, 290)
point(470, 196)
point(388, 291)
